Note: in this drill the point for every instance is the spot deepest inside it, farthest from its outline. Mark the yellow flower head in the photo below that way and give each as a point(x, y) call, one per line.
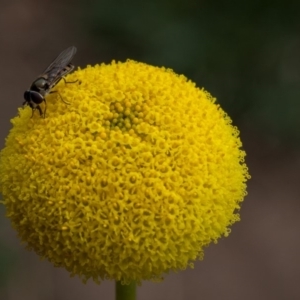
point(131, 180)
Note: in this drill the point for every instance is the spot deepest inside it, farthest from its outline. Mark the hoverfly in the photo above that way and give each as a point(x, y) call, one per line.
point(42, 86)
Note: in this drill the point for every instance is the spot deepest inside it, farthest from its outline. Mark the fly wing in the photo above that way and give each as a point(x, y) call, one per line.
point(60, 66)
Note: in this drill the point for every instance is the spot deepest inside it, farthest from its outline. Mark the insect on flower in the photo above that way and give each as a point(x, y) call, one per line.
point(42, 86)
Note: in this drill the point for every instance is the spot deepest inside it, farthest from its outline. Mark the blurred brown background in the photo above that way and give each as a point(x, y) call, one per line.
point(247, 54)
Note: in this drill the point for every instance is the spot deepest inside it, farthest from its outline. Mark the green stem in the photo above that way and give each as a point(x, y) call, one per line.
point(125, 292)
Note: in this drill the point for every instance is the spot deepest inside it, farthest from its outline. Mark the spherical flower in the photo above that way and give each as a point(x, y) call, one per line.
point(130, 181)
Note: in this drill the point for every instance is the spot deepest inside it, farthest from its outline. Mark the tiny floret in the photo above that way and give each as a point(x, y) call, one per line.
point(130, 181)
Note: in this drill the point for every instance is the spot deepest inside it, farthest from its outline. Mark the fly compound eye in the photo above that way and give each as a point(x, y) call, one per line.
point(27, 96)
point(35, 97)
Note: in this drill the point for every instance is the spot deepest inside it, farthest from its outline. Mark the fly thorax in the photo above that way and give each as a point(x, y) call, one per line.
point(40, 85)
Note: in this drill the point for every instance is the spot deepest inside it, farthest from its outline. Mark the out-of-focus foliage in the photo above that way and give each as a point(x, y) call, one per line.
point(247, 53)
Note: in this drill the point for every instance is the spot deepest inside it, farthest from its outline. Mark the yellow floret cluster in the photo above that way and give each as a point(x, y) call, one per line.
point(131, 180)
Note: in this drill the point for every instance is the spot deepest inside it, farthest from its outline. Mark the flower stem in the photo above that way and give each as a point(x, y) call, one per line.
point(125, 292)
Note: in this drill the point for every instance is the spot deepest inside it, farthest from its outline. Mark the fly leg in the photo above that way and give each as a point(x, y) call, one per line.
point(52, 92)
point(69, 81)
point(44, 109)
point(40, 110)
